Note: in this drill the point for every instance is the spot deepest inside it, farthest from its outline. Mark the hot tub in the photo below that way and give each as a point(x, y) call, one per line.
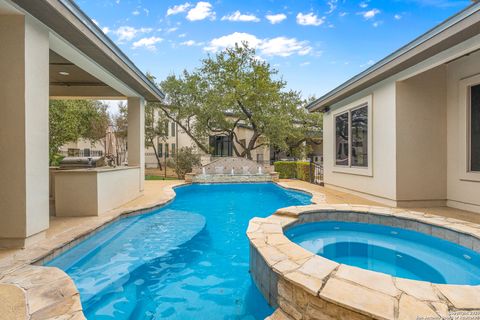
point(360, 262)
point(395, 251)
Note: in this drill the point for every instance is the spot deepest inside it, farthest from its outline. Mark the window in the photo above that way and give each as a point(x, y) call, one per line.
point(160, 149)
point(475, 128)
point(166, 128)
point(173, 130)
point(166, 150)
point(359, 129)
point(173, 149)
point(341, 140)
point(221, 146)
point(351, 137)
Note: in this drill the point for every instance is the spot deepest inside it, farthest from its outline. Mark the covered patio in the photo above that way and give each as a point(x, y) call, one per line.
point(52, 50)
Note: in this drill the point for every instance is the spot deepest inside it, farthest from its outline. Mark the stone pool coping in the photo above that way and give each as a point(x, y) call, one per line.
point(306, 286)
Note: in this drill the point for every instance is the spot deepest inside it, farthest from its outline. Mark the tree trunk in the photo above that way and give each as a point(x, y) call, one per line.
point(156, 154)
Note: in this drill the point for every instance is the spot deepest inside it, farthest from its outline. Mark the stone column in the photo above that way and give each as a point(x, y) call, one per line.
point(24, 92)
point(136, 135)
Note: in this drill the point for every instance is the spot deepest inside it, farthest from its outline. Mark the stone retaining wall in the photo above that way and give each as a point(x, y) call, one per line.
point(306, 286)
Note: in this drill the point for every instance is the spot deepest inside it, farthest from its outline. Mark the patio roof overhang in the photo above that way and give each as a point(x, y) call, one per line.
point(75, 37)
point(453, 31)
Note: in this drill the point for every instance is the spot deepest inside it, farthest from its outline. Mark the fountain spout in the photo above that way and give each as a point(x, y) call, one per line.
point(232, 172)
point(259, 170)
point(203, 171)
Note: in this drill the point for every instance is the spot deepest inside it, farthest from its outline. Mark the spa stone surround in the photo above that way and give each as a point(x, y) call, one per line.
point(302, 285)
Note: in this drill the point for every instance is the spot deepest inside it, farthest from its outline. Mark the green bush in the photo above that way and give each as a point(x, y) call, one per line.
point(303, 171)
point(286, 169)
point(185, 160)
point(293, 170)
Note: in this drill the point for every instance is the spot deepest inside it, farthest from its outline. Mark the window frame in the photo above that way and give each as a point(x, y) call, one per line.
point(465, 132)
point(356, 170)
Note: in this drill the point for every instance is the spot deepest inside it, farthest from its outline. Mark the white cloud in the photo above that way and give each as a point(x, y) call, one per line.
point(284, 47)
point(147, 12)
point(182, 35)
point(332, 5)
point(188, 43)
point(230, 41)
point(96, 22)
point(370, 13)
point(279, 46)
point(148, 43)
point(363, 5)
point(178, 9)
point(306, 63)
point(201, 11)
point(397, 17)
point(136, 13)
point(237, 16)
point(126, 33)
point(106, 30)
point(170, 30)
point(309, 19)
point(377, 23)
point(343, 14)
point(276, 18)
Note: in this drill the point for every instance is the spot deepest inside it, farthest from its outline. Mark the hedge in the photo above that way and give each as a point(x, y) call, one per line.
point(293, 170)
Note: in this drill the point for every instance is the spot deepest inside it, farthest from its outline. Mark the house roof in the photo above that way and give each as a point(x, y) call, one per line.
point(449, 33)
point(67, 20)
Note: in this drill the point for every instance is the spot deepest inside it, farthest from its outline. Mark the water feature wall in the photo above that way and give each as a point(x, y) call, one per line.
point(232, 169)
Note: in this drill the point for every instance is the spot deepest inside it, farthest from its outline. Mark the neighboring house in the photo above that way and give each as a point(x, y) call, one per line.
point(406, 132)
point(221, 145)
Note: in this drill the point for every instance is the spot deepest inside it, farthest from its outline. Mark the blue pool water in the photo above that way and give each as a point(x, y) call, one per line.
point(398, 252)
point(188, 260)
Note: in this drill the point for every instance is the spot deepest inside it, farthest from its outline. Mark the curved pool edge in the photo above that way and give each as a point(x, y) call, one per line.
point(302, 284)
point(48, 292)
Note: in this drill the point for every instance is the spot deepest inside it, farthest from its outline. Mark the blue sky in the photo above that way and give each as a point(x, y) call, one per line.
point(315, 45)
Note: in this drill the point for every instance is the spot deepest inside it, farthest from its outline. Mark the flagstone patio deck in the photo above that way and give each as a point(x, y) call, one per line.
point(28, 290)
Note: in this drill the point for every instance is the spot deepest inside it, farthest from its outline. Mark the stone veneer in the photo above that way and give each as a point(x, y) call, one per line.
point(306, 286)
point(226, 178)
point(232, 169)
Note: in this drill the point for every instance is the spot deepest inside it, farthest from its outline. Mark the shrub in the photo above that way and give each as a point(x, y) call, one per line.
point(303, 171)
point(185, 160)
point(286, 169)
point(293, 170)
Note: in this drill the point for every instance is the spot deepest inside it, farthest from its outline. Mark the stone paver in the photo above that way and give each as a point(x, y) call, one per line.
point(366, 301)
point(13, 304)
point(462, 297)
point(411, 308)
point(375, 280)
point(418, 289)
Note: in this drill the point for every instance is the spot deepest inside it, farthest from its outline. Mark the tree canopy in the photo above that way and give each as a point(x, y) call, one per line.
point(236, 89)
point(70, 120)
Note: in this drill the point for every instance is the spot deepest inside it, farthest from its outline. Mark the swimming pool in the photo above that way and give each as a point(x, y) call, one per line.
point(395, 251)
point(187, 260)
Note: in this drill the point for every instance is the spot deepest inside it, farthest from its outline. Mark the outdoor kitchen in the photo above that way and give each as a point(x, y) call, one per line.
point(89, 186)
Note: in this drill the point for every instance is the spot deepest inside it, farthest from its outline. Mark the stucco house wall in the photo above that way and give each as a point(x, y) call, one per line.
point(380, 182)
point(421, 138)
point(461, 192)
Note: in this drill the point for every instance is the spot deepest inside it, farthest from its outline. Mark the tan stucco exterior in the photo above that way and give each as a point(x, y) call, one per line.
point(94, 192)
point(23, 129)
point(418, 135)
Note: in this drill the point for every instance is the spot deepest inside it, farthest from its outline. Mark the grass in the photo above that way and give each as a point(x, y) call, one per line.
point(150, 177)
